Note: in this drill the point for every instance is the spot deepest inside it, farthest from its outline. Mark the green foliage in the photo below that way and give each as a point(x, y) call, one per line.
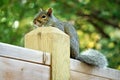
point(97, 22)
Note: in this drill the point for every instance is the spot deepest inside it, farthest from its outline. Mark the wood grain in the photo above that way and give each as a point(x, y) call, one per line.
point(81, 76)
point(25, 54)
point(80, 67)
point(20, 70)
point(57, 43)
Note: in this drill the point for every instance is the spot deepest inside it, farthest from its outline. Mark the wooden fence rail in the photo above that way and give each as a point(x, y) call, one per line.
point(17, 63)
point(49, 61)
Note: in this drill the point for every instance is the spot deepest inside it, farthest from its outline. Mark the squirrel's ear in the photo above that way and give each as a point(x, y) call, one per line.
point(49, 12)
point(41, 9)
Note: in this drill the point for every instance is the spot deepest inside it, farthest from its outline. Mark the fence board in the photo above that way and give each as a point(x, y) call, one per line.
point(16, 52)
point(11, 69)
point(81, 76)
point(90, 70)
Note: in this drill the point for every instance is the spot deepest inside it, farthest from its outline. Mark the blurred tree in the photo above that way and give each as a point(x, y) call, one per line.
point(96, 21)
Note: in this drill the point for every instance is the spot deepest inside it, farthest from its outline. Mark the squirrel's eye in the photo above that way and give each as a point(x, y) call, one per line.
point(43, 16)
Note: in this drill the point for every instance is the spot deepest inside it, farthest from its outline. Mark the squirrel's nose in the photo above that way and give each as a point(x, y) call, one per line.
point(39, 21)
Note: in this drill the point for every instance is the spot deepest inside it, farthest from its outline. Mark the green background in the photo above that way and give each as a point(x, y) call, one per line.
point(96, 21)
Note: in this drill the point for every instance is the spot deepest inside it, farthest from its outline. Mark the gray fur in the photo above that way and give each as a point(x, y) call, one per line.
point(93, 57)
point(90, 56)
point(53, 21)
point(70, 30)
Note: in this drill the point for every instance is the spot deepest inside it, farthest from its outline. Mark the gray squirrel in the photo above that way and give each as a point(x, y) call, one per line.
point(90, 56)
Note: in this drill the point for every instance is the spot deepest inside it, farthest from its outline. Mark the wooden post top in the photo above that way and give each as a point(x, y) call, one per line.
point(48, 29)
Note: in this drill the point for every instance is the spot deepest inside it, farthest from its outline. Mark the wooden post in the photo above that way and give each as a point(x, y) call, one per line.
point(56, 42)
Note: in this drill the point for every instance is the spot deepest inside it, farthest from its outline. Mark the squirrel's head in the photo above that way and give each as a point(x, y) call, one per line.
point(42, 17)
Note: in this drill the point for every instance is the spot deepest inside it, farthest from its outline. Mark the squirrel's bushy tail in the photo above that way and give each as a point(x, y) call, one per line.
point(93, 57)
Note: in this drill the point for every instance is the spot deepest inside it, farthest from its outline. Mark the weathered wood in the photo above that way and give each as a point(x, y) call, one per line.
point(107, 73)
point(11, 69)
point(54, 41)
point(17, 63)
point(24, 54)
point(81, 76)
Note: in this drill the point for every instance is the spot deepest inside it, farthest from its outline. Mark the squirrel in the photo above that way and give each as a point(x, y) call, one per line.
point(90, 56)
